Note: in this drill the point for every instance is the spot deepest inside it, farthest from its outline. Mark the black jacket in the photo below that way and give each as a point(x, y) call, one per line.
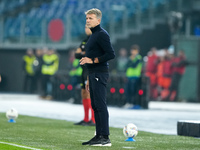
point(99, 46)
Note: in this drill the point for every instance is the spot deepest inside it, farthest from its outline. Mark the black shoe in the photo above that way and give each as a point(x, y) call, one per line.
point(100, 141)
point(90, 123)
point(88, 142)
point(82, 123)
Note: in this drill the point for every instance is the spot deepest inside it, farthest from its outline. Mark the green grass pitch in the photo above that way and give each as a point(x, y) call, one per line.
point(49, 134)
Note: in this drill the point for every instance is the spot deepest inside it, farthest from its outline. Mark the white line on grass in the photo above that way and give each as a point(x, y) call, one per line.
point(20, 146)
point(128, 147)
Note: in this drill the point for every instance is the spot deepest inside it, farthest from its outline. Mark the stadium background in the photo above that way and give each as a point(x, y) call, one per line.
point(59, 24)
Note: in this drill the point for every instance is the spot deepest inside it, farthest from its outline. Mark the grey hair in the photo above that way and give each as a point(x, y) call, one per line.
point(95, 11)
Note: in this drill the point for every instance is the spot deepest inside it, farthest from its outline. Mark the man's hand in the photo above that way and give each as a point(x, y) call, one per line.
point(86, 60)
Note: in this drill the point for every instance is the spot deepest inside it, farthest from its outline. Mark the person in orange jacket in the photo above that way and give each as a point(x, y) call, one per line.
point(151, 69)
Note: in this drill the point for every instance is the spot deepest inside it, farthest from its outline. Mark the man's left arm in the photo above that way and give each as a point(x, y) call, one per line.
point(105, 44)
point(109, 53)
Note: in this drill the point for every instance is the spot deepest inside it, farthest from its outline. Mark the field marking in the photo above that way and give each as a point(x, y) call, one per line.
point(20, 146)
point(128, 147)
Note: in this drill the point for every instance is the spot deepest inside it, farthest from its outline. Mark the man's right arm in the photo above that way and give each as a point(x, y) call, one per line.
point(79, 53)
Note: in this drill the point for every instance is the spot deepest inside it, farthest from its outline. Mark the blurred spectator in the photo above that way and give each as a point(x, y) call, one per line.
point(71, 57)
point(133, 74)
point(122, 60)
point(49, 68)
point(178, 64)
point(28, 68)
point(38, 67)
point(159, 74)
point(45, 50)
point(164, 73)
point(151, 69)
point(75, 73)
point(0, 78)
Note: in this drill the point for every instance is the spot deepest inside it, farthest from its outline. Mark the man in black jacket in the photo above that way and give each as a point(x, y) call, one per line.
point(98, 52)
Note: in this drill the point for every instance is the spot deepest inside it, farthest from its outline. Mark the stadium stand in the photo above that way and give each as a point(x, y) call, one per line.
point(45, 11)
point(6, 6)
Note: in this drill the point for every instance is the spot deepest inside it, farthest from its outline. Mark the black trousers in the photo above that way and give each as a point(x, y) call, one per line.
point(84, 77)
point(29, 84)
point(45, 81)
point(131, 90)
point(176, 78)
point(98, 92)
point(38, 82)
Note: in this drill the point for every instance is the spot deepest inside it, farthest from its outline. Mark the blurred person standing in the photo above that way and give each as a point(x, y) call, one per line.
point(38, 68)
point(164, 73)
point(28, 68)
point(159, 75)
point(75, 77)
point(167, 75)
point(133, 74)
point(86, 101)
point(71, 57)
point(178, 65)
point(98, 52)
point(150, 71)
point(122, 60)
point(49, 68)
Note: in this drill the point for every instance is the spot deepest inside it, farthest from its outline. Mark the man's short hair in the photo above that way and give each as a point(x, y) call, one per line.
point(95, 11)
point(135, 47)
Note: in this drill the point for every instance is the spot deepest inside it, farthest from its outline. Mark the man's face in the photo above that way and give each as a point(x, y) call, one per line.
point(92, 21)
point(134, 52)
point(30, 52)
point(50, 52)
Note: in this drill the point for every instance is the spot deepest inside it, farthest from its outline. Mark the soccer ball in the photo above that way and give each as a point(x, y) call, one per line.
point(12, 114)
point(130, 130)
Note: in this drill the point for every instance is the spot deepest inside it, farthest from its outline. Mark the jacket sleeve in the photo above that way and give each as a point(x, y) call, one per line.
point(104, 42)
point(79, 55)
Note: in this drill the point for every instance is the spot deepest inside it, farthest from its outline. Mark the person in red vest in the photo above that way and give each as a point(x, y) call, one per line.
point(167, 75)
point(164, 73)
point(159, 72)
point(151, 69)
point(179, 63)
point(167, 70)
